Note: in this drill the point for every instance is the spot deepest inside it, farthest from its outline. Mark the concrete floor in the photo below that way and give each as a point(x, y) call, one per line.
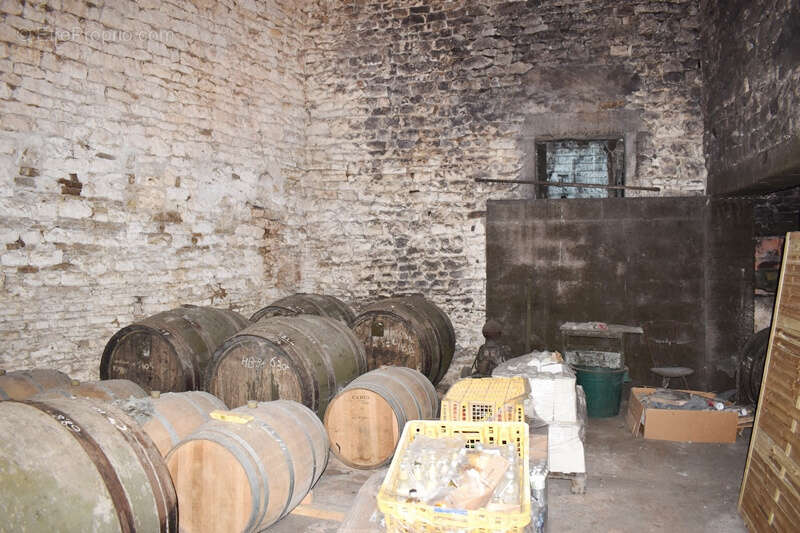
point(650, 486)
point(634, 485)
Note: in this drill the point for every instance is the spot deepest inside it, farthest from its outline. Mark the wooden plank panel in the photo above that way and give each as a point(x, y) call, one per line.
point(763, 504)
point(773, 428)
point(770, 496)
point(781, 403)
point(759, 510)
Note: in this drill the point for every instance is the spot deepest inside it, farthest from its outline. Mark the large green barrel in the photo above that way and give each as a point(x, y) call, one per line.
point(307, 304)
point(80, 465)
point(603, 388)
point(304, 358)
point(169, 351)
point(407, 331)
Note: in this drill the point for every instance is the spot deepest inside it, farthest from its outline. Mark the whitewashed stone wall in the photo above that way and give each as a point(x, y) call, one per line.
point(148, 156)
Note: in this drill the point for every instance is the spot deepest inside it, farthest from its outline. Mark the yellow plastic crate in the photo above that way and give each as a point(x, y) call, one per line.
point(404, 517)
point(486, 400)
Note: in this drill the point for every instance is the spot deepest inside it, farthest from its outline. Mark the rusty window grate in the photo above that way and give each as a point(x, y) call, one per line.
point(599, 161)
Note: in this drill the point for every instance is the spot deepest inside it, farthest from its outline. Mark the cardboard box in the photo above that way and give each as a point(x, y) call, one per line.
point(679, 425)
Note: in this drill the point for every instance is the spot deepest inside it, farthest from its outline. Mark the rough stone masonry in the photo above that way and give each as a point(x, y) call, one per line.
point(408, 103)
point(751, 69)
point(226, 153)
point(148, 154)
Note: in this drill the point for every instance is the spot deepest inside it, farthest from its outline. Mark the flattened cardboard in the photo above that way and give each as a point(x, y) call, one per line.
point(678, 425)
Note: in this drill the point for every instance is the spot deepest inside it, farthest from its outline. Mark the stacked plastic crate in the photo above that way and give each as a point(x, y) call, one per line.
point(486, 400)
point(470, 471)
point(503, 399)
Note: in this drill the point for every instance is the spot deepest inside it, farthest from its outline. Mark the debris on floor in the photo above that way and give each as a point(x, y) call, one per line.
point(690, 401)
point(684, 416)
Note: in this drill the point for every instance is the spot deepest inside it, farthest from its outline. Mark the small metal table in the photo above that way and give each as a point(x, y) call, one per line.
point(596, 343)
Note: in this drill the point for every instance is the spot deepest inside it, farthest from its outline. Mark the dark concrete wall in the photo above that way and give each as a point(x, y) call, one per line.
point(777, 213)
point(679, 267)
point(729, 286)
point(751, 71)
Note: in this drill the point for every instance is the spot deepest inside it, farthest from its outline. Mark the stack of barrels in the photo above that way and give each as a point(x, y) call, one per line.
point(155, 435)
point(305, 348)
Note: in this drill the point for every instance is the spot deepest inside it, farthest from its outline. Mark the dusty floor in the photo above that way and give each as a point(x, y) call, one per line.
point(650, 486)
point(633, 486)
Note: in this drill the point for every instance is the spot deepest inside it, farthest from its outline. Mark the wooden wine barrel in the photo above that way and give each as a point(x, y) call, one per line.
point(407, 331)
point(246, 473)
point(304, 358)
point(22, 384)
point(365, 420)
point(109, 390)
point(168, 418)
point(750, 371)
point(169, 351)
point(81, 465)
point(307, 304)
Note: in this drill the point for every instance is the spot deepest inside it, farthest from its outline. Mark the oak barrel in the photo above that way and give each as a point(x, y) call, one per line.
point(109, 390)
point(307, 304)
point(168, 418)
point(80, 465)
point(750, 370)
point(304, 358)
point(22, 384)
point(248, 471)
point(407, 331)
point(169, 351)
point(365, 420)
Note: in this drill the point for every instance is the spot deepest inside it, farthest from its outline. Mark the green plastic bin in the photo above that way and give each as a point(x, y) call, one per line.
point(603, 388)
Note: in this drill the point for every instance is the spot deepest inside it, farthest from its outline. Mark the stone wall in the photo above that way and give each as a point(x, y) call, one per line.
point(751, 69)
point(409, 104)
point(149, 157)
